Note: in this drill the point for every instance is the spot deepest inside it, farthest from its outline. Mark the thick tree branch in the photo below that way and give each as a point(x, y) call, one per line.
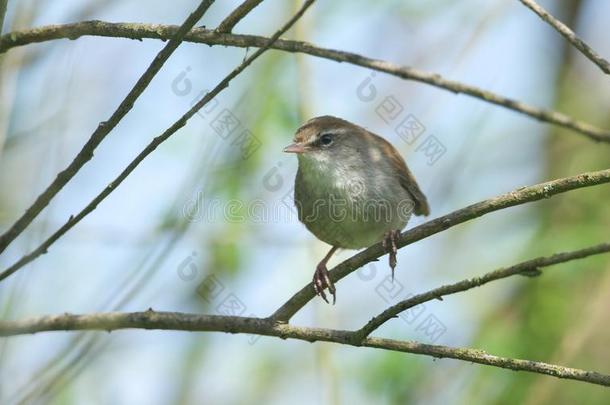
point(209, 37)
point(530, 267)
point(236, 16)
point(568, 34)
point(511, 199)
point(73, 220)
point(103, 129)
point(233, 324)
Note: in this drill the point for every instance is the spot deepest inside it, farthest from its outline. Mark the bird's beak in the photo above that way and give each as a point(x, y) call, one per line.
point(294, 148)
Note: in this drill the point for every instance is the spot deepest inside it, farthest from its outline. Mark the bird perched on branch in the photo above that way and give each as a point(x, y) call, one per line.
point(352, 190)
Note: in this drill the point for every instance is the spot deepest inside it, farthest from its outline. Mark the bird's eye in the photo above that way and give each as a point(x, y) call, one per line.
point(326, 139)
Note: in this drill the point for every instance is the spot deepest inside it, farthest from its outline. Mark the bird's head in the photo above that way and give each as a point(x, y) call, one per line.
point(326, 139)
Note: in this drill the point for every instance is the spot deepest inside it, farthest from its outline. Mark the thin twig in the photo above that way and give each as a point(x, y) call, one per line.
point(233, 324)
point(568, 34)
point(210, 37)
point(236, 16)
point(276, 326)
point(530, 266)
point(73, 220)
point(103, 129)
point(511, 199)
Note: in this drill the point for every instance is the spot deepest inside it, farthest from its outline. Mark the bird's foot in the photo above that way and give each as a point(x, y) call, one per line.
point(389, 244)
point(321, 281)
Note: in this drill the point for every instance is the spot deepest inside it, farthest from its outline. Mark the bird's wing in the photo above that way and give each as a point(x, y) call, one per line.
point(406, 179)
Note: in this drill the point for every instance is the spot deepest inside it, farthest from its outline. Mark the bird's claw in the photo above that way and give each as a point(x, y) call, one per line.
point(389, 244)
point(321, 281)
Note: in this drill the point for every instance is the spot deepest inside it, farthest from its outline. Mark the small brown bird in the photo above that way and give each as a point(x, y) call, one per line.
point(352, 190)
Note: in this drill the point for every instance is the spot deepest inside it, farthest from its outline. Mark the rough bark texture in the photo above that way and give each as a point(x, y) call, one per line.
point(210, 37)
point(211, 323)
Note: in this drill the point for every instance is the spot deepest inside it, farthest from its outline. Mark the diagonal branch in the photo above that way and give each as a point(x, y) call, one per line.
point(73, 220)
point(525, 268)
point(568, 34)
point(276, 326)
point(236, 16)
point(103, 129)
point(259, 326)
point(209, 37)
point(511, 199)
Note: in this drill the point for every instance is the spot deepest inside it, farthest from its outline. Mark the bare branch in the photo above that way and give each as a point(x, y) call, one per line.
point(276, 325)
point(531, 266)
point(511, 199)
point(236, 16)
point(259, 326)
point(209, 37)
point(103, 129)
point(73, 220)
point(568, 34)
